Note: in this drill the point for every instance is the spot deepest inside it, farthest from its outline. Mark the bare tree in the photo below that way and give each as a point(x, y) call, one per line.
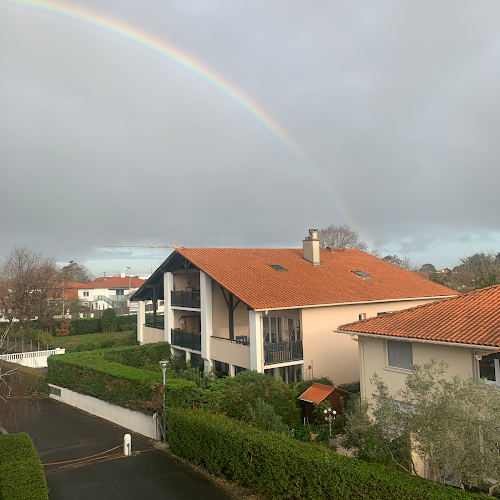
point(342, 236)
point(405, 263)
point(27, 284)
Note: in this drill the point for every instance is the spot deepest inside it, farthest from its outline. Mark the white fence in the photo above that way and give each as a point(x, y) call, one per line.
point(33, 359)
point(132, 420)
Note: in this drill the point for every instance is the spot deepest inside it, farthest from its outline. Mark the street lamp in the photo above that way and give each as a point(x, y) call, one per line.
point(330, 417)
point(163, 364)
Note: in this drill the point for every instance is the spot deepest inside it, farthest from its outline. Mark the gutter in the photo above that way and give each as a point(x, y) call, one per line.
point(439, 297)
point(424, 341)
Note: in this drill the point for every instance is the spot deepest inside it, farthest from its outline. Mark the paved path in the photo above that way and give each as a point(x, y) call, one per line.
point(62, 433)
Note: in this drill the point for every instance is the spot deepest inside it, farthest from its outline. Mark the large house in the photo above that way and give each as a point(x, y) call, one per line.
point(463, 331)
point(103, 293)
point(274, 310)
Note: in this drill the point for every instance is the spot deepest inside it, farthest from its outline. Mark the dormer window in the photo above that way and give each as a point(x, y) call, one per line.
point(363, 275)
point(278, 268)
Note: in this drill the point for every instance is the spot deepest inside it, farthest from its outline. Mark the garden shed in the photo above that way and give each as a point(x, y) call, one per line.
point(318, 393)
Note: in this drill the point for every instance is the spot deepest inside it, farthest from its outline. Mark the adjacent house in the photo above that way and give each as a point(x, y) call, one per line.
point(463, 331)
point(274, 310)
point(103, 293)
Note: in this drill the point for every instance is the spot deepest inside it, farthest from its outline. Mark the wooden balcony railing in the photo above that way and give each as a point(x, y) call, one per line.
point(189, 340)
point(279, 352)
point(186, 299)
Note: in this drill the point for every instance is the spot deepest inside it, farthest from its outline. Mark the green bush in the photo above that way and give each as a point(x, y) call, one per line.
point(230, 396)
point(282, 467)
point(108, 320)
point(118, 376)
point(21, 472)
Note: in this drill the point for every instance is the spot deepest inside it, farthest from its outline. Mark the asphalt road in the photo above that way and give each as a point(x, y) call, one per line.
point(62, 433)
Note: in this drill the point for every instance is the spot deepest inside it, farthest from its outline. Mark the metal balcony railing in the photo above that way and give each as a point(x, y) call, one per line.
point(186, 299)
point(189, 340)
point(279, 352)
point(159, 324)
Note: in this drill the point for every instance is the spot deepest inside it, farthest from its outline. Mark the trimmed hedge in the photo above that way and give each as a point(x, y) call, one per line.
point(104, 375)
point(32, 380)
point(282, 467)
point(21, 472)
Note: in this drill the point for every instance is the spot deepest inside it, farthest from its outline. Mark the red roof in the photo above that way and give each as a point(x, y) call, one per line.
point(114, 282)
point(472, 318)
point(248, 275)
point(316, 393)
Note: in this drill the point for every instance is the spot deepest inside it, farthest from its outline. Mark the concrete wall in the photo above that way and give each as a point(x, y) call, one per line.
point(461, 362)
point(220, 315)
point(130, 420)
point(230, 352)
point(335, 355)
point(152, 335)
point(181, 281)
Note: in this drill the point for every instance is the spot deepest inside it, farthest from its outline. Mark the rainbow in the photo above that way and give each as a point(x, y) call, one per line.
point(161, 47)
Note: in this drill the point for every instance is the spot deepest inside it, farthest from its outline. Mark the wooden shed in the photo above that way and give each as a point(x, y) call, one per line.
point(318, 393)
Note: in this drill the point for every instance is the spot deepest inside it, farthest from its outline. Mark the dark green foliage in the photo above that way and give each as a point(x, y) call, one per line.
point(103, 375)
point(108, 320)
point(352, 387)
point(30, 382)
point(262, 415)
point(231, 394)
point(282, 467)
point(21, 472)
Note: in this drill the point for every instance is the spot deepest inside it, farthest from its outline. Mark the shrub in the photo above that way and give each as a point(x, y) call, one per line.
point(25, 381)
point(116, 375)
point(64, 329)
point(282, 467)
point(262, 415)
point(108, 320)
point(21, 472)
point(231, 394)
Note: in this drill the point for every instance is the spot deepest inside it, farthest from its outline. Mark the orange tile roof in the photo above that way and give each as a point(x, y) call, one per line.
point(472, 318)
point(316, 393)
point(248, 275)
point(114, 282)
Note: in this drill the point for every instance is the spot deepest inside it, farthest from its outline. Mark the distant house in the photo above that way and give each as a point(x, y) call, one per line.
point(274, 310)
point(103, 293)
point(463, 331)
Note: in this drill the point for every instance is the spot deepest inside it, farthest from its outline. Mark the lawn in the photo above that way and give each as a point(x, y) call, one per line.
point(88, 338)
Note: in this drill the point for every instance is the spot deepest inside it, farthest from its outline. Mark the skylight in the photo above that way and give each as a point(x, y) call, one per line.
point(278, 268)
point(363, 275)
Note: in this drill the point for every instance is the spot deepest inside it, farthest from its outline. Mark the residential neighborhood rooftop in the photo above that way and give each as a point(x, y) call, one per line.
point(251, 275)
point(471, 318)
point(114, 282)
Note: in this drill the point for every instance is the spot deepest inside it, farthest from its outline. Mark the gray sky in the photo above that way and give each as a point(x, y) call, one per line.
point(105, 141)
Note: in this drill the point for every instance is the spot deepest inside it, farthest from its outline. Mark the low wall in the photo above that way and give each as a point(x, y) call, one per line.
point(153, 335)
point(129, 419)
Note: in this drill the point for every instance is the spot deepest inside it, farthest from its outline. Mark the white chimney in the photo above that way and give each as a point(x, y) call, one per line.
point(311, 247)
point(122, 275)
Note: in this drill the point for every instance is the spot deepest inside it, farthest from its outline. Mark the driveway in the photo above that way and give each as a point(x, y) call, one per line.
point(62, 433)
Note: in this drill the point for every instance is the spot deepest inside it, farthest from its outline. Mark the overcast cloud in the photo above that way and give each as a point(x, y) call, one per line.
point(103, 141)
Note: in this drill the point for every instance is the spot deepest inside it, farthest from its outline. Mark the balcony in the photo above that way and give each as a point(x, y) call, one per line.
point(159, 324)
point(188, 340)
point(281, 352)
point(186, 299)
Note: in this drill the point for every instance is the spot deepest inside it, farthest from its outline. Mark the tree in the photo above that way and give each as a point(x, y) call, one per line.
point(427, 268)
point(476, 271)
point(27, 280)
point(77, 272)
point(108, 320)
point(405, 263)
point(452, 425)
point(342, 236)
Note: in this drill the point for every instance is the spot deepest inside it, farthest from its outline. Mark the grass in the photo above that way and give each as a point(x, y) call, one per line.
point(89, 337)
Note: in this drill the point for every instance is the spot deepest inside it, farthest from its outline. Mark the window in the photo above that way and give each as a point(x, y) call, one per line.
point(293, 329)
point(384, 313)
point(278, 268)
point(120, 292)
point(362, 316)
point(399, 355)
point(488, 369)
point(363, 275)
point(85, 294)
point(272, 329)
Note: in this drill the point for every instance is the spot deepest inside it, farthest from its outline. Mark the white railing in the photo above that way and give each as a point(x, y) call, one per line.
point(33, 359)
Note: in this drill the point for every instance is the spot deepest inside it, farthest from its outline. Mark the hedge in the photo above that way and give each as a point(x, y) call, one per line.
point(282, 467)
point(103, 375)
point(32, 380)
point(21, 472)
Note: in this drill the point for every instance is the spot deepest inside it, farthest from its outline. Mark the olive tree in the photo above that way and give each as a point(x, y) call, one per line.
point(451, 424)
